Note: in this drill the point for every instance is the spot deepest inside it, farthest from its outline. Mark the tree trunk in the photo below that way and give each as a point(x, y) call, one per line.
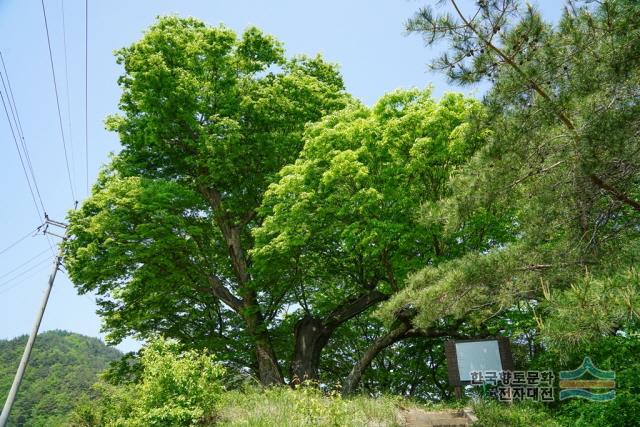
point(268, 366)
point(246, 305)
point(312, 334)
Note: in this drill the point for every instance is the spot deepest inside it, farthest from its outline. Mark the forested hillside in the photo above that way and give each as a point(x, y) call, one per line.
point(62, 369)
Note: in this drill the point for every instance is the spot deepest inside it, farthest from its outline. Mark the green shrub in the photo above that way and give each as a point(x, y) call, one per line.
point(618, 353)
point(622, 411)
point(176, 388)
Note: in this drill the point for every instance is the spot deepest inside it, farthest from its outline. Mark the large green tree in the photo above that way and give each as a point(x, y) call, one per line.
point(208, 119)
point(227, 224)
point(341, 223)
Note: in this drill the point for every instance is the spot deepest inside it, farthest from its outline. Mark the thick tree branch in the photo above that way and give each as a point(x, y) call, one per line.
point(220, 291)
point(402, 331)
point(312, 333)
point(353, 307)
point(534, 267)
point(247, 218)
point(230, 232)
point(376, 347)
point(615, 193)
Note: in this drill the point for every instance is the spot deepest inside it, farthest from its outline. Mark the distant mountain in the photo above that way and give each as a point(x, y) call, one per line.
point(63, 367)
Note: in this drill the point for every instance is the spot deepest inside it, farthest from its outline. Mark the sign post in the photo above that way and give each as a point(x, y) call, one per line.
point(465, 357)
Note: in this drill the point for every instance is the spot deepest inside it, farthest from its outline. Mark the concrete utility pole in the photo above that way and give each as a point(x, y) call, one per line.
point(4, 417)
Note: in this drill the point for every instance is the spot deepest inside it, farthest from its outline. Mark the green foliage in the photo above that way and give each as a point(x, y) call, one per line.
point(624, 410)
point(253, 194)
point(175, 388)
point(208, 119)
point(560, 167)
point(617, 353)
point(342, 220)
point(219, 149)
point(414, 368)
point(349, 202)
point(459, 287)
point(62, 369)
point(618, 290)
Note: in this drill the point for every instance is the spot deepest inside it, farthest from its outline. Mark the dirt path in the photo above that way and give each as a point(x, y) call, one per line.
point(421, 418)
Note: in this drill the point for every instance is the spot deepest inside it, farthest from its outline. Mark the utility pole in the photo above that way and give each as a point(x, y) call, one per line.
point(4, 417)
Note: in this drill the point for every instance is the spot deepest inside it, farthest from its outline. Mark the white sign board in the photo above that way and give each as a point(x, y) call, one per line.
point(477, 356)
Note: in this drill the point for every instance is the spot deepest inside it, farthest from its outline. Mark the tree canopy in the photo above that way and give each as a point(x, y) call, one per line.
point(208, 119)
point(341, 223)
point(561, 164)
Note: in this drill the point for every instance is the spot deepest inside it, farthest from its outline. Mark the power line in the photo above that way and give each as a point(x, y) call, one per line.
point(23, 142)
point(86, 90)
point(55, 87)
point(27, 271)
point(34, 272)
point(14, 111)
point(9, 92)
point(13, 270)
point(66, 75)
point(16, 117)
point(20, 240)
point(18, 123)
point(24, 169)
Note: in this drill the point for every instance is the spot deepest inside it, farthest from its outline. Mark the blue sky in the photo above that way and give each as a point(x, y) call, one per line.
point(365, 37)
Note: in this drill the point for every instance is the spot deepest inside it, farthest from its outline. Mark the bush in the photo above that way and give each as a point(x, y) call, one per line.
point(618, 353)
point(622, 411)
point(176, 388)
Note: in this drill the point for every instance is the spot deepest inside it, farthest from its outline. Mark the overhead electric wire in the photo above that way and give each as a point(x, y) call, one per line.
point(8, 90)
point(22, 273)
point(16, 115)
point(42, 266)
point(55, 87)
point(13, 270)
point(66, 76)
point(20, 240)
point(24, 169)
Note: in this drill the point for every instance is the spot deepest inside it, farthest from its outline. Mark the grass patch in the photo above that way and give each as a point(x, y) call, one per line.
point(282, 406)
point(520, 414)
